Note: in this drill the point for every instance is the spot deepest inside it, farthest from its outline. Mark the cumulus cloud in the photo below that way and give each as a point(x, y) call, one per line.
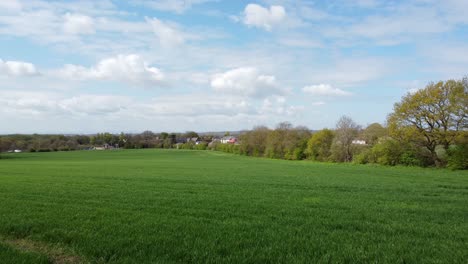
point(195, 105)
point(266, 18)
point(246, 81)
point(78, 24)
point(168, 34)
point(129, 68)
point(324, 90)
point(34, 103)
point(115, 113)
point(277, 105)
point(94, 104)
point(17, 68)
point(10, 5)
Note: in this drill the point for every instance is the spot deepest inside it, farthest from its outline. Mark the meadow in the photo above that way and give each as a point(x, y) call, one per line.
point(173, 206)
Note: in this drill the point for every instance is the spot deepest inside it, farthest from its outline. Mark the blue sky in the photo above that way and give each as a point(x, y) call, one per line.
point(214, 65)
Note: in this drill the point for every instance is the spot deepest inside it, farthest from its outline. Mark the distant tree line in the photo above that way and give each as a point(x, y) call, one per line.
point(147, 139)
point(427, 128)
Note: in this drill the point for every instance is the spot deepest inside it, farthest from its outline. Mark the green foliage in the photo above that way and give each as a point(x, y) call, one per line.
point(287, 142)
point(228, 148)
point(318, 146)
point(372, 133)
point(387, 152)
point(253, 143)
point(458, 157)
point(432, 117)
point(458, 153)
point(364, 157)
point(342, 148)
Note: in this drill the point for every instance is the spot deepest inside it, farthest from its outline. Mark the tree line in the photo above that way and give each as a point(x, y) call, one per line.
point(426, 128)
point(47, 143)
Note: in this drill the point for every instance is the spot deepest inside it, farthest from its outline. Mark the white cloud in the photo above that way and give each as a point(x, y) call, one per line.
point(33, 112)
point(277, 105)
point(196, 105)
point(10, 5)
point(78, 24)
point(246, 81)
point(176, 6)
point(129, 68)
point(94, 104)
point(324, 90)
point(52, 104)
point(168, 34)
point(259, 16)
point(318, 103)
point(17, 68)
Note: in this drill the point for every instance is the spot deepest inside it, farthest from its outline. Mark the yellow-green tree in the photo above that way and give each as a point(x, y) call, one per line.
point(432, 117)
point(318, 146)
point(373, 132)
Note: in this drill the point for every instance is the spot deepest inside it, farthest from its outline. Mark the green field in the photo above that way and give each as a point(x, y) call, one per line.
point(162, 206)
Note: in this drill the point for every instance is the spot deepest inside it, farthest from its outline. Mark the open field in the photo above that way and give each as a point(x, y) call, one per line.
point(160, 206)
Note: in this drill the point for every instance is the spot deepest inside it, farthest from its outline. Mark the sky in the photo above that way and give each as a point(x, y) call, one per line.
point(219, 65)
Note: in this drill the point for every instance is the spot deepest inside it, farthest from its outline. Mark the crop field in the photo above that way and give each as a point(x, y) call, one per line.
point(169, 206)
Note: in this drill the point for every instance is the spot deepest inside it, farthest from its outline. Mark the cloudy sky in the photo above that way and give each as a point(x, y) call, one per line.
point(216, 65)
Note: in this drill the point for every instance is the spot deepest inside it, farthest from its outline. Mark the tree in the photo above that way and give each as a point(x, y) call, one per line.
point(191, 134)
point(346, 131)
point(318, 146)
point(373, 132)
point(295, 143)
point(275, 141)
point(458, 153)
point(253, 143)
point(432, 116)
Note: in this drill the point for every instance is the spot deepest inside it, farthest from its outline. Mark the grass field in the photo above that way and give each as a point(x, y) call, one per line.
point(161, 206)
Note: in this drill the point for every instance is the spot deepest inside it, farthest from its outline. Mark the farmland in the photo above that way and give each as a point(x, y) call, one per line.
point(173, 206)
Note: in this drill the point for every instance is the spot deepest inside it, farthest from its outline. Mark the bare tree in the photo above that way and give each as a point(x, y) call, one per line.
point(346, 131)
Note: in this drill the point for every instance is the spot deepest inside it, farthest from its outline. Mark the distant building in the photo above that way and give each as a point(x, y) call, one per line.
point(359, 142)
point(229, 140)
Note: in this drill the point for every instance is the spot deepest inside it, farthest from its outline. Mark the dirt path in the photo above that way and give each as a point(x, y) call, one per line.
point(54, 254)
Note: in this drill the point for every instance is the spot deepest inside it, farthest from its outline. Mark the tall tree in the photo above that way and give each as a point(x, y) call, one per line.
point(373, 132)
point(346, 131)
point(318, 146)
point(432, 116)
point(253, 143)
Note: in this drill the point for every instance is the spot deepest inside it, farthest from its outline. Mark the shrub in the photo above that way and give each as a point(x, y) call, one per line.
point(458, 157)
point(387, 152)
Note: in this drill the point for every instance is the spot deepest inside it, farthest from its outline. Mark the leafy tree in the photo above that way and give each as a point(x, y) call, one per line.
point(253, 143)
point(346, 131)
point(191, 134)
point(432, 116)
point(318, 146)
point(164, 135)
point(295, 143)
point(275, 143)
point(458, 153)
point(373, 132)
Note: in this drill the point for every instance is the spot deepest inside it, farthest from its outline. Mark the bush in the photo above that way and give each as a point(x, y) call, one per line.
point(409, 158)
point(387, 152)
point(201, 146)
point(364, 157)
point(458, 157)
